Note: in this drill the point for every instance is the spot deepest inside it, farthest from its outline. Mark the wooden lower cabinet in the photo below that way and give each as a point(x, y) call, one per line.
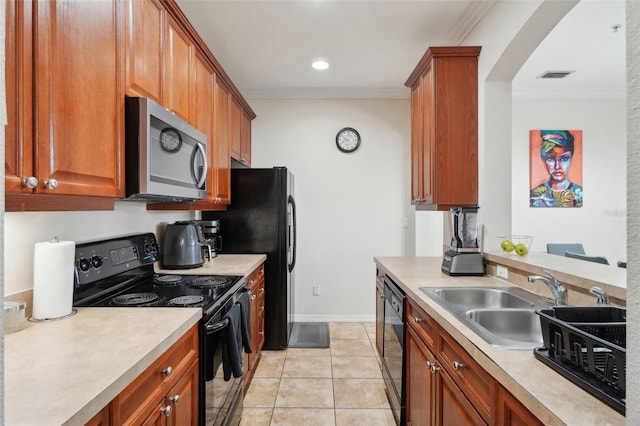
point(445, 386)
point(420, 382)
point(512, 413)
point(255, 284)
point(166, 393)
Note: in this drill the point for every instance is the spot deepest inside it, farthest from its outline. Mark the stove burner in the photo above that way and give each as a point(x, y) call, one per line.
point(133, 299)
point(186, 300)
point(209, 282)
point(167, 279)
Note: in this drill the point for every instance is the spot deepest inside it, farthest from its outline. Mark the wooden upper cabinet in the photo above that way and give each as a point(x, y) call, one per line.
point(222, 143)
point(78, 98)
point(203, 99)
point(235, 129)
point(145, 30)
point(18, 134)
point(178, 60)
point(245, 145)
point(444, 128)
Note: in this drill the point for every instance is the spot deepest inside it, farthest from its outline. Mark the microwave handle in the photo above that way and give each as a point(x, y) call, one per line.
point(203, 176)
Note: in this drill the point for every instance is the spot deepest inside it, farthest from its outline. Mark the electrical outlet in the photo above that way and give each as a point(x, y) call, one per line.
point(503, 272)
point(316, 290)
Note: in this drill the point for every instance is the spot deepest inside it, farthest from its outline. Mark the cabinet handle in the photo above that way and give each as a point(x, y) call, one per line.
point(261, 333)
point(29, 182)
point(216, 199)
point(166, 410)
point(417, 320)
point(457, 365)
point(167, 371)
point(50, 183)
point(174, 399)
point(433, 367)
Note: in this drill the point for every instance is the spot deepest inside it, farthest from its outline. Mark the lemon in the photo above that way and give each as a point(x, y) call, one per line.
point(521, 249)
point(507, 245)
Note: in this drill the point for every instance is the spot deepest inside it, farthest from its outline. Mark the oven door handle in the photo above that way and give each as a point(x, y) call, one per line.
point(216, 326)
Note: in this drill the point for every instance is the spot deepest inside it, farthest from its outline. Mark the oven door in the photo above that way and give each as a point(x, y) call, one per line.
point(393, 348)
point(222, 400)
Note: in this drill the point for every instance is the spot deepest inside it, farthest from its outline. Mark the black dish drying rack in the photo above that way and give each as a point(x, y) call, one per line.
point(587, 345)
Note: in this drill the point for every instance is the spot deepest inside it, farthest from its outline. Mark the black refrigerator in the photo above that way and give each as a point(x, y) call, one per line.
point(261, 219)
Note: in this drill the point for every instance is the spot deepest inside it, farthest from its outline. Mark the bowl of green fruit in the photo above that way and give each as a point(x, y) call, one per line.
point(518, 244)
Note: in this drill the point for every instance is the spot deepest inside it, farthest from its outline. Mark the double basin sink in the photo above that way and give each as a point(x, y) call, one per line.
point(503, 316)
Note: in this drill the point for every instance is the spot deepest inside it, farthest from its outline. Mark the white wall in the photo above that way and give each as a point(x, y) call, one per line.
point(600, 225)
point(350, 206)
point(23, 230)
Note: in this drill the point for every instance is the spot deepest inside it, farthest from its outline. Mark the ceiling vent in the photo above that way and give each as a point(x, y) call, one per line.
point(555, 74)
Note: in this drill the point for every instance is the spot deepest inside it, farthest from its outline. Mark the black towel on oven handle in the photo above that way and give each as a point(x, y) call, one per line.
point(243, 301)
point(232, 344)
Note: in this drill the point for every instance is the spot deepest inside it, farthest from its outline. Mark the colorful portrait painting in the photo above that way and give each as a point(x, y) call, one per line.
point(555, 173)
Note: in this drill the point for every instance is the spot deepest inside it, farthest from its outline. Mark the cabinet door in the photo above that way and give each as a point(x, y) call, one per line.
point(145, 22)
point(379, 312)
point(79, 119)
point(18, 134)
point(245, 147)
point(203, 113)
point(222, 163)
point(178, 60)
point(420, 387)
point(235, 129)
point(183, 398)
point(417, 144)
point(512, 413)
point(453, 407)
point(429, 148)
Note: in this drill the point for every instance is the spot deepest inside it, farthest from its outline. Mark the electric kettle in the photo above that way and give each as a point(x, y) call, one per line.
point(182, 246)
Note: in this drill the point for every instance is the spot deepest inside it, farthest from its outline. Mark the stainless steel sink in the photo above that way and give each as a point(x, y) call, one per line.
point(513, 327)
point(504, 316)
point(479, 297)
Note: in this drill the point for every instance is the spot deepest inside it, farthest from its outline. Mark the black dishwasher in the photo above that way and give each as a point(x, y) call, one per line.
point(393, 348)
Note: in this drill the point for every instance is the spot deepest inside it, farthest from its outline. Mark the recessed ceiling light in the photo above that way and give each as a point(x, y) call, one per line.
point(320, 64)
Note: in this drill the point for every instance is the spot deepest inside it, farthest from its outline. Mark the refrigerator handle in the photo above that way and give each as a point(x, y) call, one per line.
point(294, 226)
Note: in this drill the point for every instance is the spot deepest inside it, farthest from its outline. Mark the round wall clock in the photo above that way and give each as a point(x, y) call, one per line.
point(170, 139)
point(348, 139)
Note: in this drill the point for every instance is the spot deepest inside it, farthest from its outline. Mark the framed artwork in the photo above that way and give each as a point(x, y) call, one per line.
point(555, 172)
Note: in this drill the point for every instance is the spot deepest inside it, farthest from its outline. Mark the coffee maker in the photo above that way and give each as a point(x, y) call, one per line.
point(212, 240)
point(464, 256)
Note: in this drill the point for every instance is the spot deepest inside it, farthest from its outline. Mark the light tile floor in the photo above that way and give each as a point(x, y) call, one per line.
point(341, 385)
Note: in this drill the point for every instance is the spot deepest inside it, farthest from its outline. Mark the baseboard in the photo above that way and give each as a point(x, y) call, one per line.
point(334, 318)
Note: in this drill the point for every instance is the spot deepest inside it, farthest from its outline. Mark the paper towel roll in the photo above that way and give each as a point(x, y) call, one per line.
point(53, 268)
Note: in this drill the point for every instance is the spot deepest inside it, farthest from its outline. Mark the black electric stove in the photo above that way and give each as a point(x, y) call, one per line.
point(118, 272)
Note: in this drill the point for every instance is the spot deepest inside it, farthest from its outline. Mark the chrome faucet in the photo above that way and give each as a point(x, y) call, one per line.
point(599, 293)
point(556, 287)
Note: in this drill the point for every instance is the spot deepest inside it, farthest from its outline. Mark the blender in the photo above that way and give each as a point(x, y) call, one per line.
point(464, 256)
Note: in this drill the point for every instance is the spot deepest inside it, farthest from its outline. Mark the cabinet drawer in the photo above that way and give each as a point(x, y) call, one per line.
point(156, 380)
point(472, 379)
point(422, 323)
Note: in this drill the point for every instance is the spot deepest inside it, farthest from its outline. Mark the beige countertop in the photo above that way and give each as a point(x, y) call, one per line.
point(551, 397)
point(223, 264)
point(64, 372)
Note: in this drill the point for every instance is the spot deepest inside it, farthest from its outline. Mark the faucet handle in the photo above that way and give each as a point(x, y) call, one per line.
point(555, 280)
point(602, 297)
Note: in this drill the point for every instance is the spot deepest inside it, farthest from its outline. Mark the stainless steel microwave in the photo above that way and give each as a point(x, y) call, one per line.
point(166, 158)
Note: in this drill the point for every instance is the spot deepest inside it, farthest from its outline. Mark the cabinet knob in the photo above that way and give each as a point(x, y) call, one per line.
point(262, 308)
point(458, 365)
point(433, 367)
point(252, 298)
point(167, 371)
point(261, 333)
point(29, 182)
point(244, 161)
point(174, 399)
point(417, 320)
point(50, 183)
point(166, 410)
